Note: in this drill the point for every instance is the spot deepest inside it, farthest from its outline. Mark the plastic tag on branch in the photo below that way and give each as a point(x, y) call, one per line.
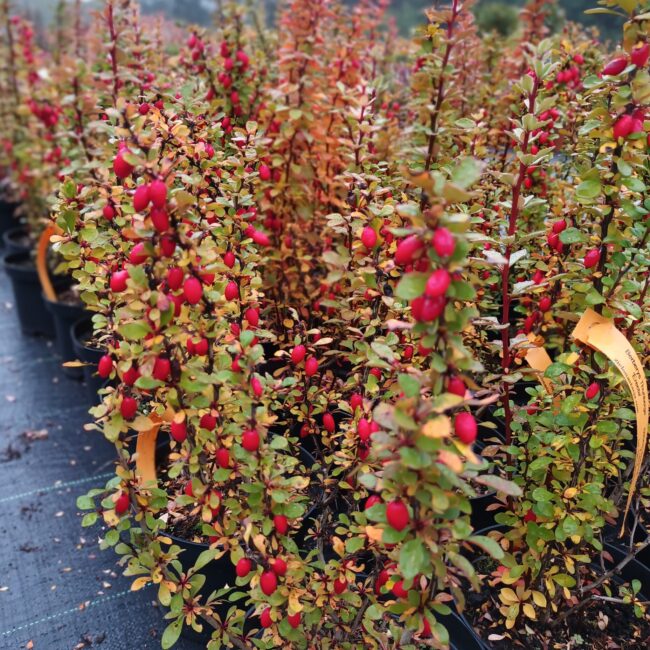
point(601, 334)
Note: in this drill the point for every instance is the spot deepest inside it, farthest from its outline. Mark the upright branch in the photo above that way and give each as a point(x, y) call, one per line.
point(515, 211)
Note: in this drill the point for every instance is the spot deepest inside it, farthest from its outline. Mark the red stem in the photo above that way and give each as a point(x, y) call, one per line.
point(505, 273)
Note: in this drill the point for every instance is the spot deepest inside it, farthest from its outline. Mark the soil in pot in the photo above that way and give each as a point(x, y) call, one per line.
point(599, 625)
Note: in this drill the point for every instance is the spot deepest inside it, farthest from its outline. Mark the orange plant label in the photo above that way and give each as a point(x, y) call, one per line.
point(600, 334)
point(145, 461)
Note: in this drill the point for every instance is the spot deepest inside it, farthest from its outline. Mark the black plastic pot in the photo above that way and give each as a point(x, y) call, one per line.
point(7, 219)
point(81, 334)
point(461, 635)
point(65, 315)
point(481, 516)
point(16, 240)
point(33, 316)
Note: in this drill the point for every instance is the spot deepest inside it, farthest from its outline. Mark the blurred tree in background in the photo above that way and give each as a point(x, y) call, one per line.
point(499, 15)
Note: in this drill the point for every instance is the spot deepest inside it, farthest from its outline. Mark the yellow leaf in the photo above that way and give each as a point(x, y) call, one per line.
point(339, 546)
point(141, 423)
point(529, 611)
point(451, 460)
point(539, 599)
point(507, 595)
point(374, 533)
point(570, 492)
point(139, 583)
point(438, 427)
point(295, 605)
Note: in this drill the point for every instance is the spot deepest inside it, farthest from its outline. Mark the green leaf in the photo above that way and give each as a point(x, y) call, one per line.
point(564, 580)
point(589, 189)
point(134, 331)
point(411, 286)
point(556, 369)
point(205, 558)
point(410, 385)
point(466, 173)
point(488, 545)
point(413, 559)
point(171, 633)
point(571, 236)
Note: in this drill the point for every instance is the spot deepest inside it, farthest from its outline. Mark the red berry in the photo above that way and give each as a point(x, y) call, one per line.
point(356, 401)
point(252, 316)
point(465, 427)
point(250, 440)
point(340, 586)
point(193, 290)
point(232, 290)
point(592, 390)
point(456, 386)
point(615, 66)
point(298, 354)
point(175, 278)
point(122, 503)
point(545, 304)
point(559, 226)
point(279, 567)
point(131, 376)
point(438, 283)
point(260, 238)
point(141, 198)
point(138, 254)
point(592, 258)
point(397, 515)
point(399, 591)
point(223, 457)
point(158, 193)
point(538, 277)
point(201, 348)
point(369, 237)
point(281, 524)
point(328, 422)
point(229, 259)
point(530, 516)
point(188, 489)
point(128, 407)
point(109, 212)
point(257, 387)
point(311, 366)
point(372, 500)
point(105, 366)
point(443, 242)
point(122, 168)
point(118, 281)
point(160, 219)
point(265, 618)
point(294, 620)
point(363, 430)
point(167, 246)
point(178, 431)
point(144, 108)
point(426, 309)
point(408, 249)
point(640, 54)
point(265, 173)
point(268, 582)
point(624, 126)
point(161, 369)
point(243, 567)
point(208, 421)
